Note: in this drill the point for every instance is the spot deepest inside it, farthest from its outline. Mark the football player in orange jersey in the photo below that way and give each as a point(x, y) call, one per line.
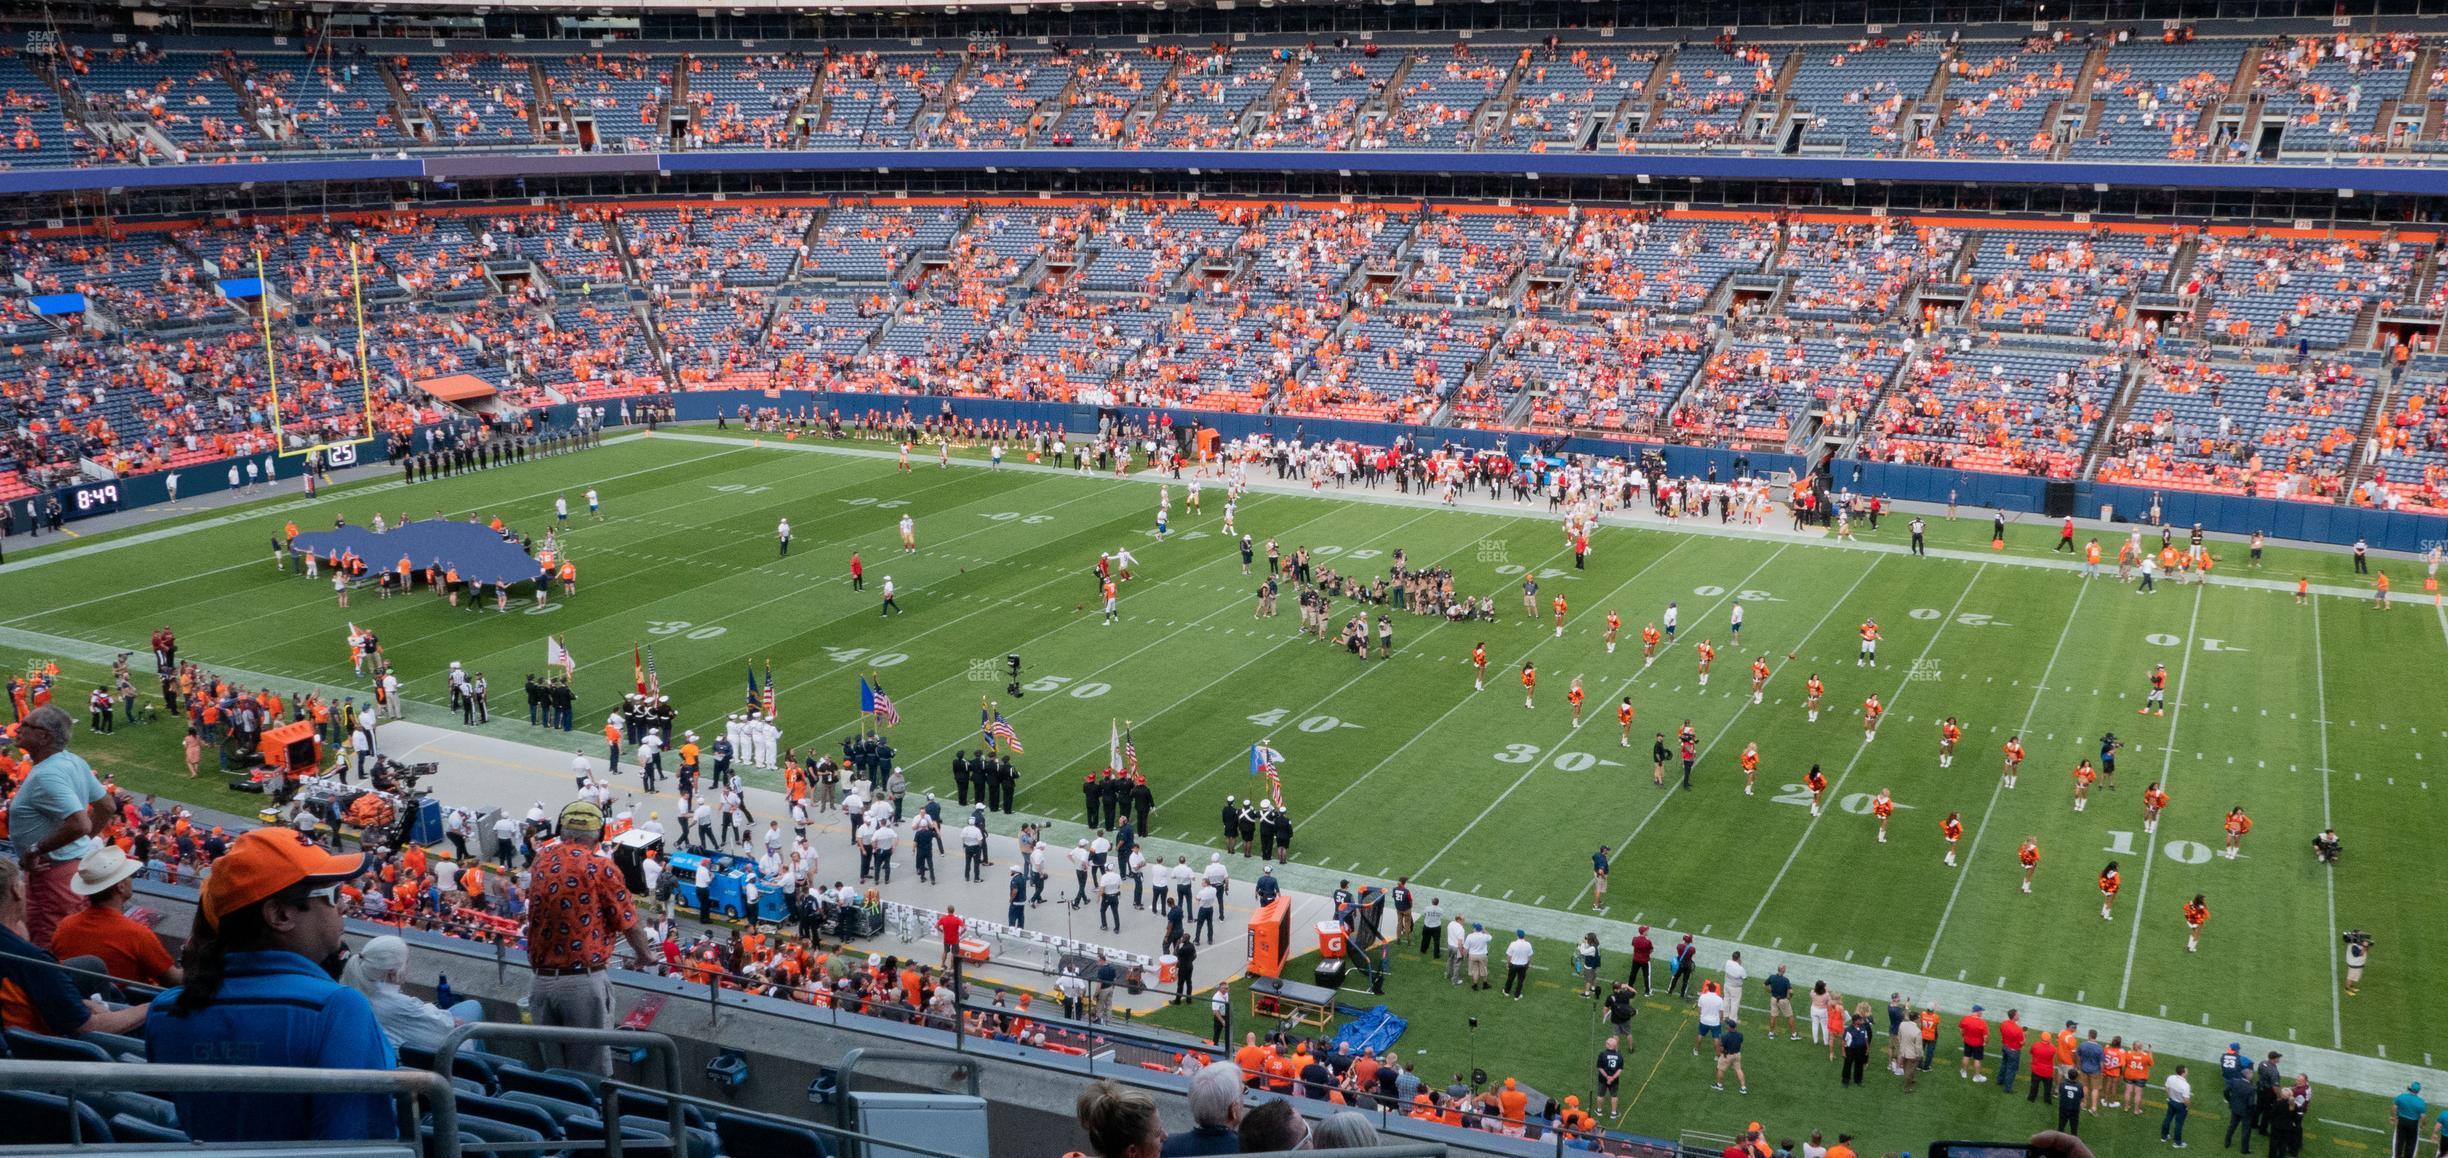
point(1708, 655)
point(1750, 767)
point(1529, 683)
point(1559, 617)
point(1574, 695)
point(2110, 881)
point(1614, 624)
point(1759, 678)
point(2158, 692)
point(1952, 828)
point(1479, 666)
point(1948, 733)
point(2084, 774)
point(1816, 781)
point(1869, 644)
point(1812, 690)
point(2153, 799)
point(2014, 758)
point(2029, 854)
point(1871, 708)
point(1883, 807)
point(1623, 719)
point(2237, 824)
point(2196, 912)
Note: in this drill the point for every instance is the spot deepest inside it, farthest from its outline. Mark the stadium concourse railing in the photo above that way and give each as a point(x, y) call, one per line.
point(1063, 1048)
point(2344, 179)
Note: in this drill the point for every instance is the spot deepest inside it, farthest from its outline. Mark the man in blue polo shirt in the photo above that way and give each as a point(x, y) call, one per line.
point(2410, 1107)
point(258, 996)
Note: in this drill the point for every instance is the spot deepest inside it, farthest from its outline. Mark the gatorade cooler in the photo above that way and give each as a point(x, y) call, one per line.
point(1168, 970)
point(972, 949)
point(1331, 936)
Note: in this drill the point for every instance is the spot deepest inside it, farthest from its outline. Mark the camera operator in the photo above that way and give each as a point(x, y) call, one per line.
point(2326, 846)
point(2358, 954)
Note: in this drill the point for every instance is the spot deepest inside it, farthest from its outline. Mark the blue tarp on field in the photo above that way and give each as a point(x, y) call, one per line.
point(479, 555)
point(1378, 1030)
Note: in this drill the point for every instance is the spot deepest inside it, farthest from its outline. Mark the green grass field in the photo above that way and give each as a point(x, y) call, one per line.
point(2301, 714)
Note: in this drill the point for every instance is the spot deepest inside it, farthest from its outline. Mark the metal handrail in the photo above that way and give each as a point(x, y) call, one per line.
point(74, 1078)
point(613, 1088)
point(661, 1045)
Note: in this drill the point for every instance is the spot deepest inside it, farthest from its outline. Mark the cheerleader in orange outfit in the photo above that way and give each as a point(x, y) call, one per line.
point(1812, 690)
point(1816, 781)
point(1871, 710)
point(1479, 666)
point(1623, 719)
point(1708, 655)
point(1759, 678)
point(1750, 767)
point(1649, 645)
point(1948, 733)
point(1529, 684)
point(1614, 624)
point(1574, 697)
point(2196, 914)
point(1883, 807)
point(2109, 882)
point(2084, 774)
point(1952, 828)
point(2029, 855)
point(2154, 799)
point(2014, 758)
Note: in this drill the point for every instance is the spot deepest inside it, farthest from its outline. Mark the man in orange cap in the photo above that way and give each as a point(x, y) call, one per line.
point(259, 995)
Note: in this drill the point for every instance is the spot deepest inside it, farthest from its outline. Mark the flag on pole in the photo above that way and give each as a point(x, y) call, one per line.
point(752, 688)
point(1113, 744)
point(637, 664)
point(1130, 752)
point(558, 656)
point(769, 690)
point(654, 686)
point(1263, 760)
point(1002, 729)
point(873, 701)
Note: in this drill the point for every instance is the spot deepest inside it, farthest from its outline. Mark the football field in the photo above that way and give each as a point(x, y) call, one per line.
point(2323, 714)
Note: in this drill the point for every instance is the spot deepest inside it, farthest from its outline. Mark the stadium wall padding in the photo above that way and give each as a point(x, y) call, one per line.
point(1973, 491)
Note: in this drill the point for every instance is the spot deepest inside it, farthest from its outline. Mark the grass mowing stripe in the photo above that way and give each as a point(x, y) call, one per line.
point(1462, 700)
point(795, 591)
point(1322, 701)
point(2320, 703)
point(1807, 636)
point(1620, 692)
point(1220, 608)
point(237, 517)
point(2167, 765)
point(1837, 788)
point(410, 605)
point(1998, 790)
point(636, 573)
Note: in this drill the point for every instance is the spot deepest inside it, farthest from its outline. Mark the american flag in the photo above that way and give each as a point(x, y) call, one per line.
point(1274, 786)
point(1263, 759)
point(654, 686)
point(769, 690)
point(873, 699)
point(1001, 729)
point(1130, 753)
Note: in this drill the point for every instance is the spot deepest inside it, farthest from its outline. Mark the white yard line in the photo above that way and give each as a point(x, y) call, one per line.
point(1156, 647)
point(1860, 749)
point(1458, 704)
point(1997, 790)
point(1728, 730)
point(2320, 700)
point(1620, 692)
point(2167, 765)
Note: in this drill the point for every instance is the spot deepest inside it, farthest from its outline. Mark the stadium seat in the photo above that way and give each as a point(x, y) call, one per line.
point(766, 1139)
point(36, 1119)
point(559, 1086)
point(136, 1131)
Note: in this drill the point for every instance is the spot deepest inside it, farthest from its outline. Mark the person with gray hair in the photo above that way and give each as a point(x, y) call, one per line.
point(56, 818)
point(1345, 1130)
point(376, 971)
point(1215, 1111)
